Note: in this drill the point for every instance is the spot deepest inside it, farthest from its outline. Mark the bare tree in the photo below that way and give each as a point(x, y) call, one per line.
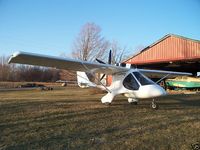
point(90, 44)
point(119, 53)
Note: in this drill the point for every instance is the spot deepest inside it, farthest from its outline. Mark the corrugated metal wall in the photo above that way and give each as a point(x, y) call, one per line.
point(171, 48)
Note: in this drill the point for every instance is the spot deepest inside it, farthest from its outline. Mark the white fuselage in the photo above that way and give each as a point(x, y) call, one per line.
point(133, 85)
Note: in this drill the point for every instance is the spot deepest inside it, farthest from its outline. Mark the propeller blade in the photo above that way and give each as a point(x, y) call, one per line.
point(101, 62)
point(102, 76)
point(110, 57)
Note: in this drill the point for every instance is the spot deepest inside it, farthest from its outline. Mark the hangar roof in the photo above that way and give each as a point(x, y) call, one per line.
point(172, 52)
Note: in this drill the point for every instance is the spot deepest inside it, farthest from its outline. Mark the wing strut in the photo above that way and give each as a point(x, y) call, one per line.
point(162, 78)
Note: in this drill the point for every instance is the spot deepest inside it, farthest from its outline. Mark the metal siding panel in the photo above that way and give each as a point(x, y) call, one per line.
point(190, 47)
point(169, 55)
point(163, 47)
point(182, 48)
point(193, 51)
point(185, 51)
point(173, 43)
point(195, 47)
point(158, 54)
point(152, 54)
point(147, 54)
point(179, 48)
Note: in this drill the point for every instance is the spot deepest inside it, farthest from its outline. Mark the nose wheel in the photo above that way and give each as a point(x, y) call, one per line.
point(154, 105)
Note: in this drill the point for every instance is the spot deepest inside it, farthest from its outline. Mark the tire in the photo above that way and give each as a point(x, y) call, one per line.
point(154, 105)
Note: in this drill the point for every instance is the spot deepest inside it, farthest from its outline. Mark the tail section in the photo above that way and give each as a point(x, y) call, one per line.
point(83, 80)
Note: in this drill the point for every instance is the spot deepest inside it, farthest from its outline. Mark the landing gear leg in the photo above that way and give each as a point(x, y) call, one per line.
point(107, 99)
point(154, 105)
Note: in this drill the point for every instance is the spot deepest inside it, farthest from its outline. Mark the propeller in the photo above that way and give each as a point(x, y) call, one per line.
point(109, 62)
point(110, 57)
point(100, 61)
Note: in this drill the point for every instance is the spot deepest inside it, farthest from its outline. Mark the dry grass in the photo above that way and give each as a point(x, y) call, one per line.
point(94, 91)
point(73, 118)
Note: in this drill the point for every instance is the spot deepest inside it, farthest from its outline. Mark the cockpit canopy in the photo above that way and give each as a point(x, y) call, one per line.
point(135, 79)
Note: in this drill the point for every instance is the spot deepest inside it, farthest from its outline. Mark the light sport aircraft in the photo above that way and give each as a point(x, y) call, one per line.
point(133, 83)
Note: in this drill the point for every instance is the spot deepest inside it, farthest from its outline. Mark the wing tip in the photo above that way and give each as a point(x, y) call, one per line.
point(15, 54)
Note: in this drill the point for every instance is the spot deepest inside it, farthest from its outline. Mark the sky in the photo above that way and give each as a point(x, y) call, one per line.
point(51, 26)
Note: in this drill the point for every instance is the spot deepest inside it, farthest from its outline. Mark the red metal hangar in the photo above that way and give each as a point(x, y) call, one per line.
point(172, 52)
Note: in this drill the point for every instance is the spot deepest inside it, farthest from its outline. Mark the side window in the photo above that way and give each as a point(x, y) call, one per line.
point(130, 83)
point(142, 79)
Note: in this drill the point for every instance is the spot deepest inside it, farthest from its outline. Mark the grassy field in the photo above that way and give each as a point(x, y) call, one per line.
point(74, 118)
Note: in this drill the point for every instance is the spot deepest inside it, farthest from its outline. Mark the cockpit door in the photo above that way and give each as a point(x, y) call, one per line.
point(130, 82)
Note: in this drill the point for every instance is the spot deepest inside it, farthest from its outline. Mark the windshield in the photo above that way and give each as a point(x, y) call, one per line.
point(130, 83)
point(142, 79)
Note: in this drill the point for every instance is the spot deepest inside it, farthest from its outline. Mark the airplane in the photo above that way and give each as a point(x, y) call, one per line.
point(133, 83)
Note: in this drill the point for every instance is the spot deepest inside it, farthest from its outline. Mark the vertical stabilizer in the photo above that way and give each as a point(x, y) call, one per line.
point(83, 80)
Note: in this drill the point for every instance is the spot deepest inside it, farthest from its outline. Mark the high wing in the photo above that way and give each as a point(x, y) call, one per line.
point(160, 73)
point(64, 63)
point(84, 66)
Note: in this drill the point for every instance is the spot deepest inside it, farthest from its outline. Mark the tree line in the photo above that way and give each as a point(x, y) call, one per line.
point(13, 72)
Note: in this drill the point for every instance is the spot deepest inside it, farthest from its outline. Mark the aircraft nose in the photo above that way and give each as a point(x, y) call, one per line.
point(158, 91)
point(150, 91)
